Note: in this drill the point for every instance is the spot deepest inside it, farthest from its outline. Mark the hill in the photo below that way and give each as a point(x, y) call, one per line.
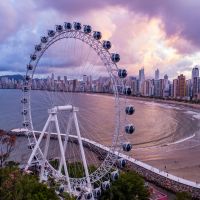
point(15, 77)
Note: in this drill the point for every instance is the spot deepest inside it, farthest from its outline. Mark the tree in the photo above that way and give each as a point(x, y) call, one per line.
point(18, 186)
point(183, 196)
point(7, 143)
point(66, 196)
point(129, 186)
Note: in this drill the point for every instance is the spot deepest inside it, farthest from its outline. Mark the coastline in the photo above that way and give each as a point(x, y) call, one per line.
point(155, 100)
point(139, 98)
point(186, 104)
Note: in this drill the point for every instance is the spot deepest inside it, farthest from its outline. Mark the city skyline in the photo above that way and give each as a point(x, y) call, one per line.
point(159, 86)
point(157, 72)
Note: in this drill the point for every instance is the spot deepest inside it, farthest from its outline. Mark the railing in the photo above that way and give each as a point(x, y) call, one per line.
point(145, 166)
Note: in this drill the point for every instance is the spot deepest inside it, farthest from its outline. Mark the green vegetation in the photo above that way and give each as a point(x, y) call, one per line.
point(183, 196)
point(17, 186)
point(66, 196)
point(75, 170)
point(7, 143)
point(14, 185)
point(129, 186)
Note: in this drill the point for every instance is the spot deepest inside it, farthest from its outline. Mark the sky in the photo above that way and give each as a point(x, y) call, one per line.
point(163, 34)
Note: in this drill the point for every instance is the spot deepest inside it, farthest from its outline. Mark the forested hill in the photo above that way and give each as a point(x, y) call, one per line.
point(15, 77)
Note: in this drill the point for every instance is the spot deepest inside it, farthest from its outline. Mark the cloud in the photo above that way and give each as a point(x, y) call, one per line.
point(145, 33)
point(178, 17)
point(72, 7)
point(7, 20)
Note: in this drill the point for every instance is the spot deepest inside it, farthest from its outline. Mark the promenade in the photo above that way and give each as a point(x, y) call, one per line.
point(149, 173)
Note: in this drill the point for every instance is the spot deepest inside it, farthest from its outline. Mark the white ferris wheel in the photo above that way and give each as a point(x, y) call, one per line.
point(64, 115)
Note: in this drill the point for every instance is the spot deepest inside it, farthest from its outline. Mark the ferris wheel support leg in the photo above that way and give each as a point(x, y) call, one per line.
point(38, 142)
point(65, 141)
point(45, 153)
point(82, 152)
point(62, 153)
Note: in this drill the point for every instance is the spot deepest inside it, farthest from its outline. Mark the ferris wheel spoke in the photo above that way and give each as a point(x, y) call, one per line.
point(84, 131)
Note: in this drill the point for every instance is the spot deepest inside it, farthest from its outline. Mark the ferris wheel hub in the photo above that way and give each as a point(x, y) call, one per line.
point(70, 108)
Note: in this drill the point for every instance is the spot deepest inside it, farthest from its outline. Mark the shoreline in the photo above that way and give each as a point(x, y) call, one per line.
point(148, 99)
point(186, 104)
point(140, 98)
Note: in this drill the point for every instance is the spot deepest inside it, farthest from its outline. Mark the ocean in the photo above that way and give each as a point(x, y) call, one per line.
point(165, 134)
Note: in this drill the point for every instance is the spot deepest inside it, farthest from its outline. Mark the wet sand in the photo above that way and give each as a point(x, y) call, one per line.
point(181, 159)
point(186, 104)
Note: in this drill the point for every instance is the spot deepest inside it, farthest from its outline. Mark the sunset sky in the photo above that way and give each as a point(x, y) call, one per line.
point(162, 34)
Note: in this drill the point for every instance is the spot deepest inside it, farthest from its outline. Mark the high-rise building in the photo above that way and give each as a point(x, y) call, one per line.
point(85, 78)
point(74, 85)
point(90, 79)
point(132, 82)
point(146, 88)
point(161, 87)
point(195, 80)
point(141, 75)
point(198, 85)
point(157, 88)
point(52, 76)
point(189, 88)
point(149, 87)
point(157, 74)
point(141, 81)
point(195, 85)
point(138, 87)
point(175, 88)
point(181, 86)
point(166, 86)
point(65, 79)
point(195, 72)
point(171, 89)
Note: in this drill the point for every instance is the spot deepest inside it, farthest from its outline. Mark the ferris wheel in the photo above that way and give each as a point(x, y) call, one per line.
point(65, 116)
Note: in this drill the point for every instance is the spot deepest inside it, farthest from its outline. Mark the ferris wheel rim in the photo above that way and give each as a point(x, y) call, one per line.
point(105, 168)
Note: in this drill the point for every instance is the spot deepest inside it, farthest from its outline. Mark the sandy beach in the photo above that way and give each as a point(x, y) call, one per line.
point(186, 104)
point(180, 159)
